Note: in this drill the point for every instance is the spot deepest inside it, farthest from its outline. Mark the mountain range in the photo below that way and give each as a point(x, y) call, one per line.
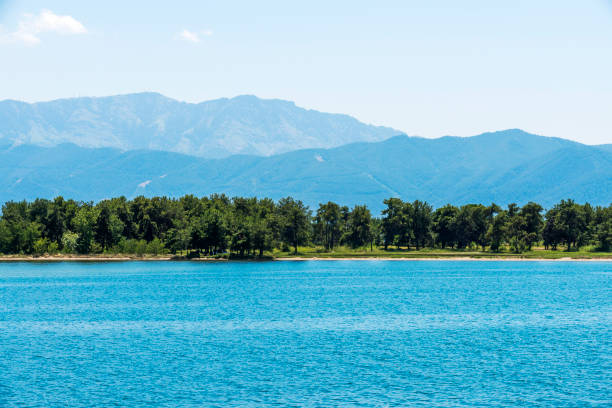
point(213, 129)
point(502, 167)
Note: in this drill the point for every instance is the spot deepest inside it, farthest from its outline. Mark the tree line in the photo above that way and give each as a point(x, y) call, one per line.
point(250, 227)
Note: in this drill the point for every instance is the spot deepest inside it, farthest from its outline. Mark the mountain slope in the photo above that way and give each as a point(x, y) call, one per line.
point(501, 167)
point(213, 129)
point(605, 147)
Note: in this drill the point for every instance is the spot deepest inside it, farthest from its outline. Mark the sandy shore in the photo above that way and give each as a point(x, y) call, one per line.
point(76, 259)
point(102, 259)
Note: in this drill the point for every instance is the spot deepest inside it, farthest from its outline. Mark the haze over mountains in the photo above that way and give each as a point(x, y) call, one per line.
point(502, 167)
point(212, 129)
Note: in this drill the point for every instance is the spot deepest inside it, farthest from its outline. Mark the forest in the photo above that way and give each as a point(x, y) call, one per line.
point(250, 227)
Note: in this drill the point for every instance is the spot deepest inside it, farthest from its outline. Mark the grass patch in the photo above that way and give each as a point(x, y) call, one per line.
point(403, 253)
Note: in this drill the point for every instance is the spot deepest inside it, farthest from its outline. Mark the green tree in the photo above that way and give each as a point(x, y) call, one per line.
point(392, 221)
point(471, 225)
point(241, 224)
point(41, 246)
point(30, 234)
point(84, 223)
point(602, 228)
point(444, 222)
point(532, 214)
point(20, 232)
point(376, 237)
point(70, 242)
point(6, 238)
point(496, 233)
point(571, 222)
point(328, 225)
point(56, 220)
point(421, 219)
point(552, 231)
point(518, 238)
point(178, 238)
point(102, 230)
point(604, 235)
point(359, 227)
point(264, 226)
point(156, 247)
point(295, 221)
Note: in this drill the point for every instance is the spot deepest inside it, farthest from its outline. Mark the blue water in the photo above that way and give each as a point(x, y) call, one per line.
point(348, 333)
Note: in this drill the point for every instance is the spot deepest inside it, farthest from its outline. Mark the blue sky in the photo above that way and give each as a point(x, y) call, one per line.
point(428, 68)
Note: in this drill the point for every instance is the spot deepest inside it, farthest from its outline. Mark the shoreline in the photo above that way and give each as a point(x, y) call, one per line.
point(101, 259)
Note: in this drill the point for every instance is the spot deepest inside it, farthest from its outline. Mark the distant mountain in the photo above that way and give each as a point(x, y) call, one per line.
point(501, 167)
point(606, 147)
point(213, 129)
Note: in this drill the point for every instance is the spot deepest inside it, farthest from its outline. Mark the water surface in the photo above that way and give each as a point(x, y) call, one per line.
point(318, 333)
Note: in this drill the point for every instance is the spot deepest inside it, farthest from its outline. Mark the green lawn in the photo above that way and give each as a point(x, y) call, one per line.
point(343, 252)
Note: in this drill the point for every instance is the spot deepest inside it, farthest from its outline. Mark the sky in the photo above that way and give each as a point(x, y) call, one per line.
point(427, 68)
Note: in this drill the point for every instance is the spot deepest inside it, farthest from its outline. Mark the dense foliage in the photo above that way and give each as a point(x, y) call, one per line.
point(250, 226)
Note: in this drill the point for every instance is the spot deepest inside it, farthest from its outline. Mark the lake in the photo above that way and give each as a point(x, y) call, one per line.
point(314, 333)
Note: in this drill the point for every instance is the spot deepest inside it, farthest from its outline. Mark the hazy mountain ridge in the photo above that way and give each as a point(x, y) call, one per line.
point(501, 167)
point(605, 147)
point(212, 129)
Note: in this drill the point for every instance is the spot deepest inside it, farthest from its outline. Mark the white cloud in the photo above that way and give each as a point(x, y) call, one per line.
point(29, 29)
point(189, 36)
point(194, 36)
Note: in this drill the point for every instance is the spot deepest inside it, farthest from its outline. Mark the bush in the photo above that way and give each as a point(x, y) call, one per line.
point(96, 248)
point(69, 241)
point(155, 247)
point(518, 245)
point(40, 246)
point(52, 248)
